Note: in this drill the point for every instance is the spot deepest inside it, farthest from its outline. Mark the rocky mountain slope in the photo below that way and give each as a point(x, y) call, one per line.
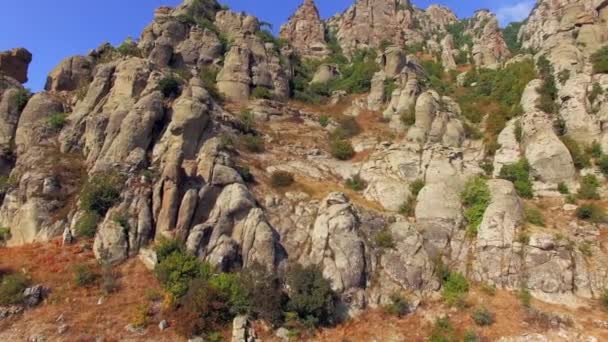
point(411, 164)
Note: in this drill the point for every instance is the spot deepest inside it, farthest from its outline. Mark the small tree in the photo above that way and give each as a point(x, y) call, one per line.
point(310, 295)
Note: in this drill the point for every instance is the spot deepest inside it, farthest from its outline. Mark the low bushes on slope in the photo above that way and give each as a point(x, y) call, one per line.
point(475, 198)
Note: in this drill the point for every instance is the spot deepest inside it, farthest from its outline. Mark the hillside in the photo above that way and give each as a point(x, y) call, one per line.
point(391, 173)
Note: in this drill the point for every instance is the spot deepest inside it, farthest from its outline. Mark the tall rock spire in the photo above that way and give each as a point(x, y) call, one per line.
point(306, 32)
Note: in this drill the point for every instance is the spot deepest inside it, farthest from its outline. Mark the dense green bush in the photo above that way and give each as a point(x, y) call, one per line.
point(458, 32)
point(177, 270)
point(266, 298)
point(384, 239)
point(519, 174)
point(261, 93)
point(563, 76)
point(595, 92)
point(416, 186)
point(399, 305)
point(525, 297)
point(408, 118)
point(455, 289)
point(356, 183)
point(169, 86)
point(165, 247)
point(357, 76)
point(588, 188)
point(347, 128)
point(600, 61)
point(548, 90)
point(483, 317)
point(86, 226)
point(408, 207)
point(389, 88)
point(56, 121)
point(603, 164)
point(579, 157)
point(443, 331)
point(310, 296)
point(341, 149)
point(535, 216)
point(475, 198)
point(11, 288)
point(83, 275)
point(563, 188)
point(518, 131)
point(604, 299)
point(5, 234)
point(231, 286)
point(247, 120)
point(591, 212)
point(101, 192)
point(20, 99)
point(323, 120)
point(281, 179)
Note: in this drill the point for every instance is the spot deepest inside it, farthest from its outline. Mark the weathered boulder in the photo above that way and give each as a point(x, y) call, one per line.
point(549, 158)
point(497, 258)
point(33, 127)
point(447, 53)
point(14, 64)
point(325, 73)
point(509, 151)
point(71, 74)
point(335, 230)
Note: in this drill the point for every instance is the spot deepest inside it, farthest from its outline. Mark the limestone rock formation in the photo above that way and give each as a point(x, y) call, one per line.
point(306, 32)
point(14, 64)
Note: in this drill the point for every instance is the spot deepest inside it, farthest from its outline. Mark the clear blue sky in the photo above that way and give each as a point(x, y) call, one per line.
point(55, 29)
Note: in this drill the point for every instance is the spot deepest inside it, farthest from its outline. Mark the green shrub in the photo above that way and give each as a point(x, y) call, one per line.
point(563, 188)
point(56, 121)
point(347, 128)
point(11, 288)
point(548, 90)
point(83, 275)
point(519, 174)
point(247, 120)
point(384, 239)
point(399, 305)
point(231, 286)
point(588, 189)
point(341, 149)
point(356, 183)
point(470, 336)
point(443, 331)
point(534, 216)
point(579, 157)
point(591, 212)
point(389, 88)
point(357, 76)
point(475, 198)
point(472, 132)
point(483, 317)
point(178, 269)
point(523, 237)
point(455, 289)
point(261, 93)
point(253, 143)
point(518, 131)
point(408, 207)
point(165, 247)
point(281, 179)
point(585, 249)
point(128, 48)
point(416, 186)
point(595, 150)
point(323, 120)
point(86, 226)
point(600, 61)
point(563, 76)
point(169, 86)
point(101, 192)
point(310, 296)
point(20, 99)
point(263, 286)
point(525, 297)
point(595, 92)
point(208, 76)
point(5, 234)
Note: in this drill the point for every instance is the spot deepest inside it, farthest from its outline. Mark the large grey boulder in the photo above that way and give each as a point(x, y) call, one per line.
point(497, 259)
point(336, 244)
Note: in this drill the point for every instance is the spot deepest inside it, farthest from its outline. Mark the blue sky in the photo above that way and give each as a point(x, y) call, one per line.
point(55, 29)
